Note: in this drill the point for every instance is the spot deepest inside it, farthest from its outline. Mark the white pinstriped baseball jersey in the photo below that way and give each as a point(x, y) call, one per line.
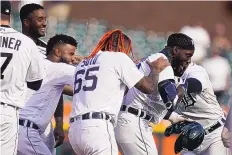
point(41, 45)
point(20, 62)
point(151, 103)
point(42, 104)
point(100, 83)
point(204, 107)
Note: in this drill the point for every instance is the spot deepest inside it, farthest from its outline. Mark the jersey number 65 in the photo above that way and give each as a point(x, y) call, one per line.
point(78, 80)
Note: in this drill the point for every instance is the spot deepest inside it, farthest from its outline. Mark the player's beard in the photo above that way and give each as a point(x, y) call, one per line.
point(36, 33)
point(179, 67)
point(63, 60)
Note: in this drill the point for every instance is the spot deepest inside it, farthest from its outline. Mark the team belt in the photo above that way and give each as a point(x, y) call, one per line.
point(137, 112)
point(28, 124)
point(215, 126)
point(2, 103)
point(92, 115)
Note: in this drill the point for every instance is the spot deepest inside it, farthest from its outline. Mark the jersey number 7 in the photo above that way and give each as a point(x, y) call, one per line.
point(8, 57)
point(78, 81)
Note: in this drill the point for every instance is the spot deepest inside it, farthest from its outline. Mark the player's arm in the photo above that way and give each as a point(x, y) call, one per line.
point(131, 76)
point(58, 115)
point(36, 70)
point(65, 77)
point(190, 85)
point(166, 83)
point(77, 59)
point(160, 71)
point(148, 84)
point(68, 90)
point(59, 110)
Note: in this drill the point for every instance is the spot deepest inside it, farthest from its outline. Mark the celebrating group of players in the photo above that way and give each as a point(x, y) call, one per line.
point(114, 98)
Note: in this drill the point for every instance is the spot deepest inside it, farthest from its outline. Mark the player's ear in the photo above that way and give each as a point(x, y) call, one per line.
point(26, 22)
point(175, 50)
point(57, 52)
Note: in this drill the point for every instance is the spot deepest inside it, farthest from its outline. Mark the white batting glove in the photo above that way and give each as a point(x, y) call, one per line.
point(175, 118)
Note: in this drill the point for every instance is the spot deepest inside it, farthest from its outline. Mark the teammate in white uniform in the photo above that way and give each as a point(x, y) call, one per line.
point(139, 110)
point(38, 111)
point(199, 102)
point(99, 86)
point(34, 24)
point(21, 67)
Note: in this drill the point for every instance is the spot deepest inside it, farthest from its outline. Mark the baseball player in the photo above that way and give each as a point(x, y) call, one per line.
point(38, 111)
point(199, 102)
point(139, 110)
point(34, 24)
point(100, 82)
point(21, 67)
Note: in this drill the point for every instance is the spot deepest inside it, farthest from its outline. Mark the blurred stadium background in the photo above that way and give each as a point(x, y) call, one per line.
point(148, 24)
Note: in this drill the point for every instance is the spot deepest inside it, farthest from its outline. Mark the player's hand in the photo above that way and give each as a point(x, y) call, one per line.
point(175, 118)
point(226, 137)
point(136, 61)
point(59, 135)
point(76, 59)
point(180, 92)
point(159, 65)
point(176, 128)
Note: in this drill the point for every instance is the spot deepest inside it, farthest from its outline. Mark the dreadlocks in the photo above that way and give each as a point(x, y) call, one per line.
point(113, 41)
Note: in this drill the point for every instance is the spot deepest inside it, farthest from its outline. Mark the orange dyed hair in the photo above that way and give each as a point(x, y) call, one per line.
point(113, 41)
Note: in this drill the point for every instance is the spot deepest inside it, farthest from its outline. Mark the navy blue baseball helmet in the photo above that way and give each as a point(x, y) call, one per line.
point(191, 135)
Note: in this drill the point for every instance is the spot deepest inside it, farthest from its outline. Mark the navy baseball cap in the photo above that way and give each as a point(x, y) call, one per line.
point(5, 7)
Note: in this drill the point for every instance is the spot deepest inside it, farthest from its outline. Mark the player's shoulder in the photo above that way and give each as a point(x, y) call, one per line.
point(113, 57)
point(58, 65)
point(27, 40)
point(151, 58)
point(193, 68)
point(65, 66)
point(156, 56)
point(113, 54)
point(58, 68)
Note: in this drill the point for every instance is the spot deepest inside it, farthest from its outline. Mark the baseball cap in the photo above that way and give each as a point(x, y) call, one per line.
point(5, 7)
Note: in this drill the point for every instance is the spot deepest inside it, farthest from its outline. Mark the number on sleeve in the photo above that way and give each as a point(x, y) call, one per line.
point(6, 62)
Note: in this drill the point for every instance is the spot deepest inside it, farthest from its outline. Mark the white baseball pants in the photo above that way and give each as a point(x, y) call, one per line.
point(8, 129)
point(93, 136)
point(49, 139)
point(134, 135)
point(31, 142)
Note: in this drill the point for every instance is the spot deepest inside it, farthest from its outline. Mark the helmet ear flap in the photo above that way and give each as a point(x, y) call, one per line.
point(178, 144)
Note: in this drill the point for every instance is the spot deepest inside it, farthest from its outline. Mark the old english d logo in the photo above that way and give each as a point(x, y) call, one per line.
point(189, 100)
